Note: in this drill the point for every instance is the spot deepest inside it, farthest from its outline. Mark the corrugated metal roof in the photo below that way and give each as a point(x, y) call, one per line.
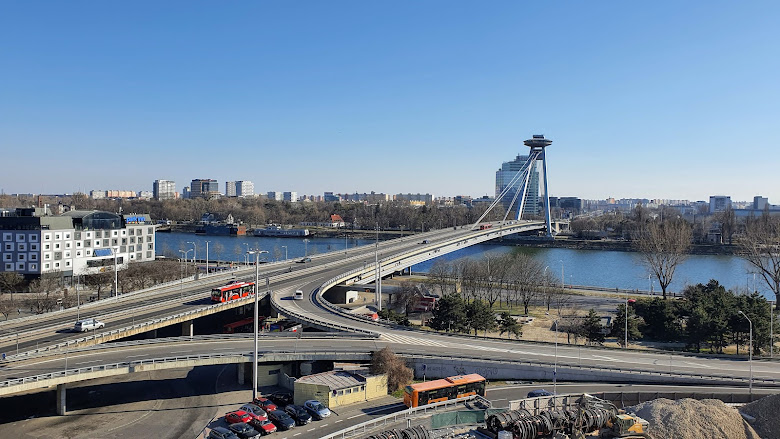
point(336, 380)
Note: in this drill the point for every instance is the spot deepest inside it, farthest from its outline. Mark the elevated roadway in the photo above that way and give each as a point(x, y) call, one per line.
point(502, 357)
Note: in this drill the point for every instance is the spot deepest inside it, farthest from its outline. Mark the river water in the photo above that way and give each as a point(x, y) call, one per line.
point(601, 268)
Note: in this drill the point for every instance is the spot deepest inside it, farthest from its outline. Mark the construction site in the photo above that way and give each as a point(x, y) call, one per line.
point(586, 416)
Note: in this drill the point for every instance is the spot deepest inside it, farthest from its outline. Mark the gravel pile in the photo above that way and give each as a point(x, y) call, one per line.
point(767, 413)
point(692, 419)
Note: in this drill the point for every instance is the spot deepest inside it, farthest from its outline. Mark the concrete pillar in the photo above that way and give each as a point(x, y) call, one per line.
point(241, 373)
point(61, 408)
point(305, 368)
point(188, 328)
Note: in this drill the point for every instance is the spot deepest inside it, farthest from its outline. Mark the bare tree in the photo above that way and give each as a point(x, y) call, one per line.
point(10, 281)
point(760, 246)
point(663, 246)
point(526, 279)
point(386, 362)
point(728, 224)
point(7, 307)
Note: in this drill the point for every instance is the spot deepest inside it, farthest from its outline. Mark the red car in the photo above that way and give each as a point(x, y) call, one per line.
point(265, 426)
point(237, 416)
point(265, 404)
point(255, 411)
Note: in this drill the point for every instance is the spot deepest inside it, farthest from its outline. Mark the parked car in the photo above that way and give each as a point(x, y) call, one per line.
point(88, 325)
point(300, 414)
point(237, 416)
point(281, 399)
point(281, 419)
point(265, 427)
point(265, 404)
point(255, 411)
point(316, 409)
point(538, 392)
point(221, 433)
point(304, 260)
point(244, 430)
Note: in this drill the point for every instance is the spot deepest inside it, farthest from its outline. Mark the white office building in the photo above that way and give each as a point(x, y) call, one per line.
point(75, 243)
point(164, 189)
point(292, 197)
point(241, 188)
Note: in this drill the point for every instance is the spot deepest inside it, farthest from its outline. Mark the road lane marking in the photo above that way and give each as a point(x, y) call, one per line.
point(605, 358)
point(698, 365)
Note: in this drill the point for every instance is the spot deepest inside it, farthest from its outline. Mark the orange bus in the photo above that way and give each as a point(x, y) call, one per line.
point(232, 291)
point(444, 389)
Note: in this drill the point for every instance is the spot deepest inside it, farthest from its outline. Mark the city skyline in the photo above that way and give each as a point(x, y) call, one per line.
point(641, 101)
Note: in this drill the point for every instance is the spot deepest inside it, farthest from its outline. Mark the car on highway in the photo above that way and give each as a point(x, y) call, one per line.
point(221, 433)
point(304, 260)
point(538, 392)
point(255, 411)
point(265, 404)
point(298, 295)
point(281, 419)
point(316, 409)
point(244, 430)
point(237, 416)
point(88, 325)
point(265, 427)
point(300, 414)
point(281, 399)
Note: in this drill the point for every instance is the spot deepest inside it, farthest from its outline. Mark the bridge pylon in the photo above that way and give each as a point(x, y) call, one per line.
point(538, 144)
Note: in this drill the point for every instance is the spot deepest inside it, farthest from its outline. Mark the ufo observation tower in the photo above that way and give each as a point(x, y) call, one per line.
point(515, 193)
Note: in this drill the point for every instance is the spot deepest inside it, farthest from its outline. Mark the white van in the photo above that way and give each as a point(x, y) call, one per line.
point(298, 295)
point(88, 325)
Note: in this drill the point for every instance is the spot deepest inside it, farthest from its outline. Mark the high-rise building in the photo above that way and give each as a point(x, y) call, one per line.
point(204, 188)
point(719, 203)
point(504, 178)
point(230, 188)
point(415, 199)
point(760, 203)
point(291, 197)
point(276, 196)
point(164, 189)
point(329, 197)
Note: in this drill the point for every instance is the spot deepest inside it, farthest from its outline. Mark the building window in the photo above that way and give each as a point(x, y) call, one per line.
point(150, 230)
point(9, 247)
point(67, 235)
point(78, 253)
point(57, 236)
point(114, 233)
point(46, 266)
point(131, 231)
point(33, 267)
point(9, 267)
point(124, 233)
point(148, 255)
point(58, 256)
point(89, 234)
point(87, 243)
point(56, 265)
point(67, 244)
point(124, 241)
point(151, 247)
point(132, 240)
point(138, 255)
point(105, 243)
point(89, 252)
point(33, 238)
point(57, 246)
point(20, 266)
point(77, 235)
point(8, 236)
point(33, 257)
point(148, 239)
point(78, 244)
point(67, 254)
point(47, 237)
point(67, 263)
point(47, 256)
point(21, 247)
point(47, 246)
point(7, 257)
point(34, 247)
point(19, 237)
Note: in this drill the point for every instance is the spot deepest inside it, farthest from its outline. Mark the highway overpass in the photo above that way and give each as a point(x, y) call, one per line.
point(442, 353)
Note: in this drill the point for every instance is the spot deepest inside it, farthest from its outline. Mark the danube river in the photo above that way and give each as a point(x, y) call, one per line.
point(602, 268)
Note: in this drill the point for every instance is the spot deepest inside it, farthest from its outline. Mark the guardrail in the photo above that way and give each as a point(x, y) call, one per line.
point(393, 418)
point(134, 329)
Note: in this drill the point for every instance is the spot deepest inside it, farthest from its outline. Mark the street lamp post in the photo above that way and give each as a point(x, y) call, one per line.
point(305, 248)
point(257, 307)
point(555, 369)
point(116, 275)
point(184, 266)
point(194, 251)
point(285, 252)
point(207, 257)
point(750, 357)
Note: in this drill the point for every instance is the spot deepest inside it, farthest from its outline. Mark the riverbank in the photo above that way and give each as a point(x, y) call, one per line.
point(606, 244)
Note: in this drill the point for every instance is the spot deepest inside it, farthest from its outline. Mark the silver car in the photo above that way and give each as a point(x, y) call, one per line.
point(317, 410)
point(88, 325)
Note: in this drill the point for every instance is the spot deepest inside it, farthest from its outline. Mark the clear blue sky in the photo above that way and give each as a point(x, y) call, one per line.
point(662, 99)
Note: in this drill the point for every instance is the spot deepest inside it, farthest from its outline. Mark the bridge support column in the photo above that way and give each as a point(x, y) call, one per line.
point(188, 328)
point(241, 373)
point(61, 407)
